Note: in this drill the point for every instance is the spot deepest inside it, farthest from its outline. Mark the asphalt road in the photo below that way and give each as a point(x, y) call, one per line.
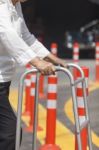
point(64, 93)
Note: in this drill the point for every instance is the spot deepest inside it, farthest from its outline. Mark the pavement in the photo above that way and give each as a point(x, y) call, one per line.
point(65, 128)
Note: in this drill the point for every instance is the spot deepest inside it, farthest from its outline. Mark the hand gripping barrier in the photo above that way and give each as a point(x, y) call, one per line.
point(73, 83)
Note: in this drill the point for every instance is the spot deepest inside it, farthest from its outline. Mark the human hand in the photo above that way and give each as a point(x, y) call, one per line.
point(46, 68)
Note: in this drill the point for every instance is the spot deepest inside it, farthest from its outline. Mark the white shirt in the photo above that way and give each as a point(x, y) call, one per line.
point(17, 45)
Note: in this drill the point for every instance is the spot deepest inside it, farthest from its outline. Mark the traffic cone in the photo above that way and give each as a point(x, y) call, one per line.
point(97, 61)
point(75, 57)
point(54, 49)
point(32, 101)
point(41, 88)
point(51, 115)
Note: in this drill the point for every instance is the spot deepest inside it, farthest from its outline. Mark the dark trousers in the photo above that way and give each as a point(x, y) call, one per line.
point(7, 119)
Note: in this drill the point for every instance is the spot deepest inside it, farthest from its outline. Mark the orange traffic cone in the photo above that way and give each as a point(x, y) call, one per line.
point(97, 61)
point(32, 101)
point(75, 57)
point(51, 115)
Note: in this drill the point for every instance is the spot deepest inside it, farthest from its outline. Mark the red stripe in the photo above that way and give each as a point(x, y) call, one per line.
point(32, 97)
point(52, 80)
point(76, 45)
point(32, 85)
point(81, 112)
point(76, 61)
point(85, 70)
point(97, 52)
point(54, 45)
point(76, 53)
point(28, 76)
point(28, 66)
point(97, 44)
point(52, 96)
point(80, 92)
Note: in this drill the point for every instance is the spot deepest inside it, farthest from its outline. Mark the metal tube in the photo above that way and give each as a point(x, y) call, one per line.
point(72, 83)
point(67, 72)
point(78, 81)
point(19, 111)
point(19, 108)
point(35, 114)
point(87, 114)
point(84, 124)
point(76, 117)
point(77, 67)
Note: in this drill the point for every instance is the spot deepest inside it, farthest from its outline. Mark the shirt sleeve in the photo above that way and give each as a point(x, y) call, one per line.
point(30, 39)
point(26, 35)
point(39, 49)
point(10, 40)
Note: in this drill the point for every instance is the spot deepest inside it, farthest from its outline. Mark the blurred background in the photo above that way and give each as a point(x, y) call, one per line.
point(64, 22)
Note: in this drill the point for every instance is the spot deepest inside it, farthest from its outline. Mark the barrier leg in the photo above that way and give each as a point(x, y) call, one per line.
point(27, 92)
point(27, 95)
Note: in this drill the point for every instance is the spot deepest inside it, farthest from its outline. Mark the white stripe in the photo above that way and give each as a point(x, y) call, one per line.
point(97, 48)
point(76, 57)
point(33, 78)
point(97, 55)
point(27, 82)
point(80, 102)
point(52, 76)
point(51, 104)
point(79, 85)
point(54, 50)
point(97, 62)
point(32, 92)
point(52, 88)
point(76, 49)
point(82, 119)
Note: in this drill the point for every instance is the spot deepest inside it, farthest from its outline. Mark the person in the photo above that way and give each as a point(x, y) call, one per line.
point(17, 48)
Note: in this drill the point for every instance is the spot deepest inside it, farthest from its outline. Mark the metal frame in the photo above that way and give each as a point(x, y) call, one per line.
point(73, 83)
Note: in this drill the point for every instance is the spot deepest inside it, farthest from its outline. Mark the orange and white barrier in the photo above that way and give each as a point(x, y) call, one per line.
point(75, 56)
point(54, 49)
point(81, 109)
point(51, 115)
point(76, 53)
point(97, 61)
point(32, 99)
point(41, 87)
point(32, 102)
